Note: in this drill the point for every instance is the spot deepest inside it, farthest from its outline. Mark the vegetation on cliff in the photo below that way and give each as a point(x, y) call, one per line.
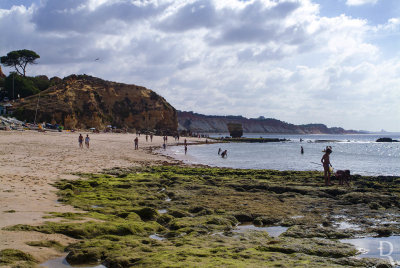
point(191, 217)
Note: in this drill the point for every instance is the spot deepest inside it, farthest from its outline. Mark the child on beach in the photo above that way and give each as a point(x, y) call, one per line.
point(326, 163)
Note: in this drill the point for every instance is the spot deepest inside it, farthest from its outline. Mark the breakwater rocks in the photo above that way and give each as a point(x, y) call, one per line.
point(213, 217)
point(386, 140)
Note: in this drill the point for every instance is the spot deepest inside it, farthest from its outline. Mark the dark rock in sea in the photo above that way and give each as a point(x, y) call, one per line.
point(235, 130)
point(386, 140)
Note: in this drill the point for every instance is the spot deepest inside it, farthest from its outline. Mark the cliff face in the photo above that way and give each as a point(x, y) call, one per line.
point(202, 123)
point(85, 102)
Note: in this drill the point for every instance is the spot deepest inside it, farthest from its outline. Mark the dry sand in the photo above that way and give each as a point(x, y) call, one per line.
point(31, 161)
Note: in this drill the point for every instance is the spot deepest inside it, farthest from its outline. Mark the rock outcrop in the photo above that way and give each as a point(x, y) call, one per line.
point(81, 101)
point(194, 122)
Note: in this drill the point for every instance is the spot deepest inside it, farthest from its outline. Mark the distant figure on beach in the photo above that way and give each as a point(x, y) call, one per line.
point(87, 140)
point(302, 150)
point(164, 146)
point(136, 143)
point(343, 176)
point(185, 142)
point(219, 151)
point(147, 137)
point(151, 137)
point(326, 163)
point(224, 154)
point(80, 139)
point(185, 149)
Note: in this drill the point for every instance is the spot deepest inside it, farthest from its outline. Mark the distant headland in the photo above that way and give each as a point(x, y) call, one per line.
point(195, 122)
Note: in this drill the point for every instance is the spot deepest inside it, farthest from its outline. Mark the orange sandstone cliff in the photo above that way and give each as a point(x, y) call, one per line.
point(81, 101)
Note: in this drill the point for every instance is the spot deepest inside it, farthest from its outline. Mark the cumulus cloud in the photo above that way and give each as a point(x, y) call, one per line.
point(276, 58)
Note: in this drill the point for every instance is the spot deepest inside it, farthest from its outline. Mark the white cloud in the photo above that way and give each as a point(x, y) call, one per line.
point(360, 2)
point(278, 59)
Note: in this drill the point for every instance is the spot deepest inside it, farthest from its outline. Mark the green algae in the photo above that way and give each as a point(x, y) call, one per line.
point(16, 258)
point(47, 243)
point(203, 208)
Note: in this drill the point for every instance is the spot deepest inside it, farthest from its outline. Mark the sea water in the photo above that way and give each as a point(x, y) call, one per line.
point(361, 154)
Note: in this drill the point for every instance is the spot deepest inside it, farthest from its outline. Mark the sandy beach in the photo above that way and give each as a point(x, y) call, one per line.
point(31, 161)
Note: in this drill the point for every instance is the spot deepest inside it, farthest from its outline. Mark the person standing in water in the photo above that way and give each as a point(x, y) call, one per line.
point(326, 164)
point(219, 151)
point(224, 154)
point(185, 149)
point(302, 150)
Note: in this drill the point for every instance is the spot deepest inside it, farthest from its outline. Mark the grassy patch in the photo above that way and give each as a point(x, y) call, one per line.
point(9, 211)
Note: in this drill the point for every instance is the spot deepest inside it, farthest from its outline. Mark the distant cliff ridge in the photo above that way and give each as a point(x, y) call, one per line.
point(81, 101)
point(218, 124)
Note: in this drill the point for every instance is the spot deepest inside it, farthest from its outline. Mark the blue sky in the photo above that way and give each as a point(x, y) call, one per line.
point(335, 62)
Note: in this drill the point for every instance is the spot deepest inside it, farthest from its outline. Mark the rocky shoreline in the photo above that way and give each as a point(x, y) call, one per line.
point(185, 216)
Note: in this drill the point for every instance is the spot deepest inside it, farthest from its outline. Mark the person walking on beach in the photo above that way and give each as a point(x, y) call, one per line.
point(185, 142)
point(151, 137)
point(136, 143)
point(302, 150)
point(87, 140)
point(326, 164)
point(80, 139)
point(147, 137)
point(185, 149)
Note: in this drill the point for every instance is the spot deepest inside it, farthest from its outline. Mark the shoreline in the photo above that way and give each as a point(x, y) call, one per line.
point(31, 162)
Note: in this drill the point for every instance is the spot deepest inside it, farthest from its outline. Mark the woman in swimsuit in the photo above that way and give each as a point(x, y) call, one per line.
point(326, 163)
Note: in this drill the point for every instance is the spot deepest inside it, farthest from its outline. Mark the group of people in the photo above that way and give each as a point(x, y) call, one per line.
point(147, 137)
point(80, 140)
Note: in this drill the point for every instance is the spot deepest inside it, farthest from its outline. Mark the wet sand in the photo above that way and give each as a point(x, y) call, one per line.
point(31, 161)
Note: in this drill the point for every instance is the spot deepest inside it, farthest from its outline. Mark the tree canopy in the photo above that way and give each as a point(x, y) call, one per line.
point(19, 59)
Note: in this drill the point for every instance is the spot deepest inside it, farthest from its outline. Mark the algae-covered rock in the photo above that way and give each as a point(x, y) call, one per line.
point(199, 226)
point(87, 256)
point(16, 258)
point(147, 213)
